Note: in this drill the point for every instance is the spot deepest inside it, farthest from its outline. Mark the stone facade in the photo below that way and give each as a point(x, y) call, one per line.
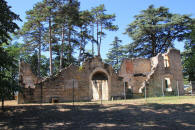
point(160, 74)
point(96, 80)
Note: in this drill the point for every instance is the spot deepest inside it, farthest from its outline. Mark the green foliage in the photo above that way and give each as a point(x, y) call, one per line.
point(33, 61)
point(102, 21)
point(188, 56)
point(7, 24)
point(115, 54)
point(8, 80)
point(155, 29)
point(85, 36)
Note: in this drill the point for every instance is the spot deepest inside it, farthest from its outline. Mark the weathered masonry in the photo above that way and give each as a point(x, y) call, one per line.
point(96, 80)
point(159, 75)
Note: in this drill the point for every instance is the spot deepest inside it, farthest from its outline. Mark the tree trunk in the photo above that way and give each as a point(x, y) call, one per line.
point(2, 105)
point(117, 57)
point(79, 59)
point(99, 45)
point(153, 50)
point(50, 48)
point(153, 45)
point(92, 39)
point(69, 44)
point(62, 48)
point(80, 46)
point(97, 38)
point(39, 60)
point(39, 55)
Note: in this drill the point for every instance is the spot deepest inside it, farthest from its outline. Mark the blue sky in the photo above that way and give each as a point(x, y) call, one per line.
point(125, 10)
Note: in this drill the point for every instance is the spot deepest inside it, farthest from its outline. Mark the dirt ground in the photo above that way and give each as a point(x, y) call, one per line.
point(157, 113)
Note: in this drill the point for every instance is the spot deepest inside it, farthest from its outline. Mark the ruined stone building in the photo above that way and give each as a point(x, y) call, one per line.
point(159, 75)
point(96, 80)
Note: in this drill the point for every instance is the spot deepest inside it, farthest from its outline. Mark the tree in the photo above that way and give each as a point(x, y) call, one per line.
point(33, 32)
point(154, 30)
point(67, 18)
point(102, 21)
point(33, 61)
point(60, 26)
point(48, 13)
point(115, 54)
point(188, 56)
point(84, 34)
point(72, 21)
point(7, 22)
point(7, 26)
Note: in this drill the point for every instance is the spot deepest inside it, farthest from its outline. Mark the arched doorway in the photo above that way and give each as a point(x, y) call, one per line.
point(99, 86)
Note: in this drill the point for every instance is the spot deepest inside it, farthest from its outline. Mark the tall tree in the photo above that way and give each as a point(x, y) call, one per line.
point(65, 20)
point(84, 34)
point(188, 55)
point(7, 22)
point(115, 54)
point(61, 27)
point(154, 30)
point(7, 26)
point(72, 19)
point(33, 32)
point(102, 21)
point(49, 7)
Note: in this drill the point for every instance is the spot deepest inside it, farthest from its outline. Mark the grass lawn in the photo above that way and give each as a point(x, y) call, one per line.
point(154, 113)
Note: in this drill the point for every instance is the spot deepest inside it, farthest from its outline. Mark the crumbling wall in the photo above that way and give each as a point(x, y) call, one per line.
point(28, 82)
point(68, 85)
point(72, 83)
point(117, 86)
point(27, 76)
point(152, 74)
point(156, 84)
point(134, 72)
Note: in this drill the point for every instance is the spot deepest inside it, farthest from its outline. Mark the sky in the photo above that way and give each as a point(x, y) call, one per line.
point(125, 10)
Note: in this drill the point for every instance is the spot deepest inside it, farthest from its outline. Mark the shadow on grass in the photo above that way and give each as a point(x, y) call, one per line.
point(93, 116)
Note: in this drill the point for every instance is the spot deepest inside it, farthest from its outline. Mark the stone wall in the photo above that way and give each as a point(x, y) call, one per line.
point(95, 80)
point(72, 83)
point(134, 72)
point(173, 72)
point(152, 73)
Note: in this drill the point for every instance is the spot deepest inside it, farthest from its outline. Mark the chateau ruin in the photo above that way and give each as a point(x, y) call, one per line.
point(96, 80)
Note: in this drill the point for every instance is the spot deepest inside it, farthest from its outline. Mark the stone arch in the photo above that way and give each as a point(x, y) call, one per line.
point(100, 84)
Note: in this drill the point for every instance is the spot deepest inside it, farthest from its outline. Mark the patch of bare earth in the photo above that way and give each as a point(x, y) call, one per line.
point(178, 113)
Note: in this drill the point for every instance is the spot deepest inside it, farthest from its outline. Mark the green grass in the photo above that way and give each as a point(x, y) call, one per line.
point(172, 100)
point(158, 100)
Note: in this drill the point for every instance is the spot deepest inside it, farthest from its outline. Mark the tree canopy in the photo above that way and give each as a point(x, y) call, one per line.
point(7, 61)
point(102, 21)
point(115, 54)
point(188, 55)
point(154, 30)
point(7, 24)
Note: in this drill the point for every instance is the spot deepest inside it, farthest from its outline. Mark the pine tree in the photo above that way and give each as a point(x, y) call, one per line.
point(115, 54)
point(7, 61)
point(48, 13)
point(188, 56)
point(154, 30)
point(65, 20)
point(84, 34)
point(33, 32)
point(102, 21)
